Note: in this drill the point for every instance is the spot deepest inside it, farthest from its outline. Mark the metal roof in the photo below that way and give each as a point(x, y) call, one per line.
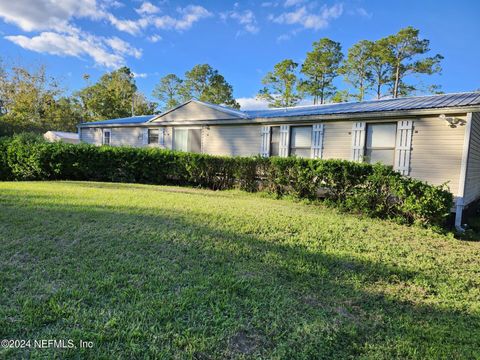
point(407, 103)
point(399, 104)
point(123, 121)
point(63, 134)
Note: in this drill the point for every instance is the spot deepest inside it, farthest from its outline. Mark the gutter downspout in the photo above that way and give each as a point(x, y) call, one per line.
point(460, 202)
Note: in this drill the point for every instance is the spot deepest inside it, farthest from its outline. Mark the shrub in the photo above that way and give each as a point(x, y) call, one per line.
point(374, 190)
point(5, 171)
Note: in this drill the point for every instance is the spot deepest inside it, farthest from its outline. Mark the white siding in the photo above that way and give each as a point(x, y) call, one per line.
point(241, 140)
point(127, 136)
point(437, 152)
point(91, 136)
point(472, 183)
point(168, 137)
point(436, 148)
point(337, 140)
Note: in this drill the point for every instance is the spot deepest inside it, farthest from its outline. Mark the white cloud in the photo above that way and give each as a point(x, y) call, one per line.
point(245, 18)
point(114, 4)
point(363, 13)
point(154, 38)
point(189, 15)
point(308, 19)
point(122, 47)
point(147, 8)
point(45, 15)
point(50, 15)
point(133, 27)
point(139, 75)
point(108, 52)
point(60, 35)
point(284, 37)
point(289, 3)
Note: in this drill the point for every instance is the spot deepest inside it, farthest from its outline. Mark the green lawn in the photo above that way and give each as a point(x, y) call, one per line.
point(168, 272)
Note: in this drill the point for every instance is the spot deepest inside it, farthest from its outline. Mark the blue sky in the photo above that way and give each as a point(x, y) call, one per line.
point(242, 39)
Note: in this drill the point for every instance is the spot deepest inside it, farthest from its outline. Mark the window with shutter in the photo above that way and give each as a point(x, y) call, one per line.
point(301, 141)
point(274, 140)
point(380, 143)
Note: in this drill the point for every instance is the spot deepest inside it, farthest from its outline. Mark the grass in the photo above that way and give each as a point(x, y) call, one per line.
point(165, 272)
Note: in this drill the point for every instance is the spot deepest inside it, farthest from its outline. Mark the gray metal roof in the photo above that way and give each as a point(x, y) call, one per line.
point(122, 121)
point(407, 103)
point(400, 104)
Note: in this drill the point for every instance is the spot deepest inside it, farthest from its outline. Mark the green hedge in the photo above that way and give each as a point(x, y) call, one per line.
point(374, 190)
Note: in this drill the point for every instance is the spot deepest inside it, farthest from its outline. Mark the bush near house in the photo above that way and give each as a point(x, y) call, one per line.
point(374, 190)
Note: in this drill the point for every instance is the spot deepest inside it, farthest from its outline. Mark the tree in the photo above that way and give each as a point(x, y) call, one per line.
point(27, 99)
point(280, 85)
point(168, 91)
point(321, 67)
point(358, 69)
point(380, 67)
point(341, 96)
point(403, 50)
point(143, 106)
point(206, 84)
point(114, 95)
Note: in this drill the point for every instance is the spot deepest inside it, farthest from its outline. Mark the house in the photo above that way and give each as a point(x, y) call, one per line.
point(431, 138)
point(67, 137)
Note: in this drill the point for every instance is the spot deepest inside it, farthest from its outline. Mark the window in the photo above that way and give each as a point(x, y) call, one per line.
point(301, 141)
point(274, 140)
point(380, 143)
point(153, 136)
point(187, 140)
point(106, 137)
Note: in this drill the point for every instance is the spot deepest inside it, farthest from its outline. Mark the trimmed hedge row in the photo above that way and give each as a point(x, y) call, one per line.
point(374, 190)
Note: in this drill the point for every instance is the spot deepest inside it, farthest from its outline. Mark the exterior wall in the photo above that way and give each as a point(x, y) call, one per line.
point(436, 154)
point(337, 140)
point(194, 111)
point(168, 137)
point(472, 181)
point(120, 136)
point(437, 149)
point(91, 136)
point(241, 140)
point(126, 136)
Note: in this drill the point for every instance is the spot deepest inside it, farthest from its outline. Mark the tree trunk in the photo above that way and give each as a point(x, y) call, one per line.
point(397, 81)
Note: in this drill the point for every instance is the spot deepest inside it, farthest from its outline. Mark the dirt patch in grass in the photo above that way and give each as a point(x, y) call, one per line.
point(245, 342)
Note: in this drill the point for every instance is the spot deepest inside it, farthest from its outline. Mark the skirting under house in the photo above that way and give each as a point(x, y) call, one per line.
point(431, 138)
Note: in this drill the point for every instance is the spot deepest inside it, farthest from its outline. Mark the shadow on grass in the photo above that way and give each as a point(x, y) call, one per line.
point(167, 285)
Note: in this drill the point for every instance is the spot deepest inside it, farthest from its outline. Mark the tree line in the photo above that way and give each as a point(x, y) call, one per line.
point(32, 100)
point(379, 68)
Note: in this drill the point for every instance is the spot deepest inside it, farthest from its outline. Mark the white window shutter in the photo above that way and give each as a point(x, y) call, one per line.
point(317, 141)
point(145, 136)
point(284, 140)
point(265, 143)
point(161, 137)
point(358, 141)
point(403, 146)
